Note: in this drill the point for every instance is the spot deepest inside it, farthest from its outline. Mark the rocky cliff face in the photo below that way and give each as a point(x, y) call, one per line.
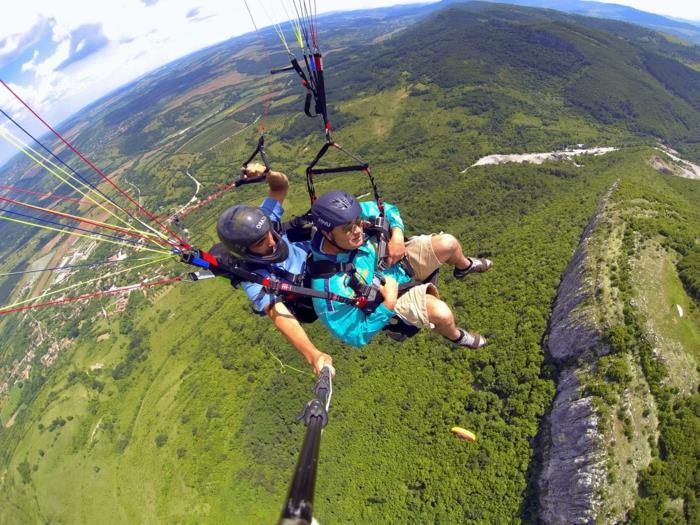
point(573, 331)
point(574, 465)
point(593, 447)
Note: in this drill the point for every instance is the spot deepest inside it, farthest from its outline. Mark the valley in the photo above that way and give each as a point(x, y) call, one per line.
point(533, 137)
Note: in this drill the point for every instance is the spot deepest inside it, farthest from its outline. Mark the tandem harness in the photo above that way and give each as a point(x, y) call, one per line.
point(397, 329)
point(294, 289)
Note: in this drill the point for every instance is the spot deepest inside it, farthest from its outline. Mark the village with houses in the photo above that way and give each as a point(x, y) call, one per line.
point(44, 344)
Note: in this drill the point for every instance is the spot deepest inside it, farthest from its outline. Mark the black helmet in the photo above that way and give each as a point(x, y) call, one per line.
point(241, 226)
point(333, 209)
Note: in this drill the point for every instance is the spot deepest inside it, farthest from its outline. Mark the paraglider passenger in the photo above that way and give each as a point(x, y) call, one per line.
point(341, 240)
point(248, 234)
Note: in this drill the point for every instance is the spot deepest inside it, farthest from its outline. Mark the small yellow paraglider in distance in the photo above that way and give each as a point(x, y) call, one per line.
point(464, 434)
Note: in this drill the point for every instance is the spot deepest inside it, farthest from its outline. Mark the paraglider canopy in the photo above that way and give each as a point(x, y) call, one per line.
point(464, 434)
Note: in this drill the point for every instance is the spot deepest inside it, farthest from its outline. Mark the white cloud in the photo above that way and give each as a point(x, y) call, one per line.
point(135, 37)
point(31, 65)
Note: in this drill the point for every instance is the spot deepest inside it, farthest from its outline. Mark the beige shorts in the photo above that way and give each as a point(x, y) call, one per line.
point(411, 306)
point(421, 257)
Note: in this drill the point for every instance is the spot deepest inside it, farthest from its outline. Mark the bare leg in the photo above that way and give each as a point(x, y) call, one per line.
point(449, 250)
point(442, 317)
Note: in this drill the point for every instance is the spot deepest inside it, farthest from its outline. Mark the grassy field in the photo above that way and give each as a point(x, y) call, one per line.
point(212, 135)
point(676, 338)
point(10, 403)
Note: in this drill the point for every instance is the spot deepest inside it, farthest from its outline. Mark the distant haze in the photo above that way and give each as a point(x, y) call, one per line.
point(61, 56)
point(685, 9)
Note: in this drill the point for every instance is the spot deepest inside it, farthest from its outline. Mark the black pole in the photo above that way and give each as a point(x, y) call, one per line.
point(298, 508)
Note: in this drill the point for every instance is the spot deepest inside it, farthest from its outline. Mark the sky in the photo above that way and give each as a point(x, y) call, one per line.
point(62, 55)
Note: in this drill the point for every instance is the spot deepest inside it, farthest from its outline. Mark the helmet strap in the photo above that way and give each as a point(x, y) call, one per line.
point(331, 241)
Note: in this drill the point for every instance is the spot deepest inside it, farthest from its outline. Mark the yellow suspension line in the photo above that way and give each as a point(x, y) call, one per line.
point(21, 147)
point(86, 265)
point(91, 222)
point(297, 26)
point(276, 25)
point(47, 294)
point(294, 23)
point(93, 237)
point(26, 149)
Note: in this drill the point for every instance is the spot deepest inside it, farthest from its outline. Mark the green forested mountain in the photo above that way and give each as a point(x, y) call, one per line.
point(180, 409)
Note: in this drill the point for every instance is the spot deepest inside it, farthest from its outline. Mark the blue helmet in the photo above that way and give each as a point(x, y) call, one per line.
point(333, 209)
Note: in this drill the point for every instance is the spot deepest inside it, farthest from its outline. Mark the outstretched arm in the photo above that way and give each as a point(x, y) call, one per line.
point(286, 323)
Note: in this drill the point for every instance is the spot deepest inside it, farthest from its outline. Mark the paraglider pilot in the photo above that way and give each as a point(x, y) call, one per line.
point(249, 235)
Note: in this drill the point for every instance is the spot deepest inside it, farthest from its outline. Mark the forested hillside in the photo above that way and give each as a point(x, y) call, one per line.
point(181, 407)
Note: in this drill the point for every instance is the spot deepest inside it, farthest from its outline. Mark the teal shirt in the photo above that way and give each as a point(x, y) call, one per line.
point(346, 322)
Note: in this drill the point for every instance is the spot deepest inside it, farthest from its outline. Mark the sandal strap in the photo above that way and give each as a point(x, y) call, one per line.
point(478, 265)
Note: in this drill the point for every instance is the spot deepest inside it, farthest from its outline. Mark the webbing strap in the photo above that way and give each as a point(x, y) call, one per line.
point(310, 86)
point(207, 261)
point(361, 165)
point(321, 108)
point(259, 150)
point(341, 169)
point(328, 268)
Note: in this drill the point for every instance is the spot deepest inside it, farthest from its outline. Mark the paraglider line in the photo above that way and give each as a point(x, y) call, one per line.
point(44, 195)
point(113, 274)
point(93, 294)
point(73, 171)
point(66, 225)
point(33, 154)
point(81, 265)
point(96, 169)
point(79, 219)
point(92, 235)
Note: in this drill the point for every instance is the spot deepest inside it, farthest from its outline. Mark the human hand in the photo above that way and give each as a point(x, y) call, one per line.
point(396, 248)
point(254, 170)
point(390, 292)
point(321, 361)
point(277, 181)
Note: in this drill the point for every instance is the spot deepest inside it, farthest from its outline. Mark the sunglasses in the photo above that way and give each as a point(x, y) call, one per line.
point(349, 227)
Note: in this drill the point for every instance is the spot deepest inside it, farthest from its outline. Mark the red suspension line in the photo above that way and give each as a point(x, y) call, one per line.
point(87, 221)
point(93, 294)
point(52, 196)
point(97, 170)
point(204, 202)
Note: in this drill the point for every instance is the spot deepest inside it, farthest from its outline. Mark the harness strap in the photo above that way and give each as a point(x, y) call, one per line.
point(368, 291)
point(299, 228)
point(327, 269)
point(360, 165)
point(229, 267)
point(379, 228)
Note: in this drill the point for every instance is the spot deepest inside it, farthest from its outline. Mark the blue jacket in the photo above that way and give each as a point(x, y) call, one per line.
point(295, 263)
point(346, 322)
